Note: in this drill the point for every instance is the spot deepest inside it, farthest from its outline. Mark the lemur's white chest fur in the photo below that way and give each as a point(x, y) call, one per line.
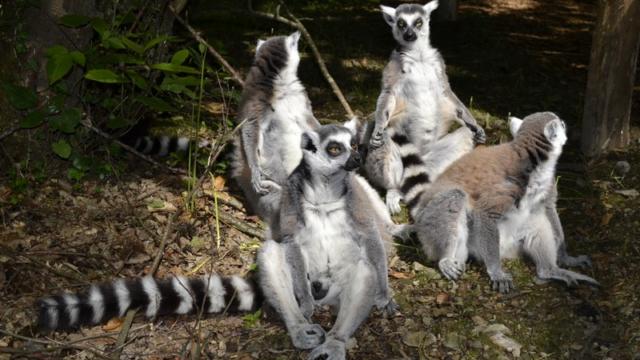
point(285, 127)
point(516, 225)
point(422, 90)
point(327, 239)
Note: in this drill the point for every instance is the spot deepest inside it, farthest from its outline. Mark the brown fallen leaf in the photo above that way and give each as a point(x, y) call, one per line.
point(442, 298)
point(113, 325)
point(606, 218)
point(399, 275)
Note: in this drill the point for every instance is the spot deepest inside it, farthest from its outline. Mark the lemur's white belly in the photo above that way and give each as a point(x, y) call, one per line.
point(326, 241)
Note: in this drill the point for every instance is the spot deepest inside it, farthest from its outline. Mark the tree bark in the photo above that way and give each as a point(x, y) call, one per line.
point(614, 53)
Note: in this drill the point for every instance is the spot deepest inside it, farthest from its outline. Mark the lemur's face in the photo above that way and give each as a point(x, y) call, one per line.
point(409, 22)
point(331, 149)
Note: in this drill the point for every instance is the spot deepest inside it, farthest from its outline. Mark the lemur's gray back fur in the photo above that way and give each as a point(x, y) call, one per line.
point(277, 110)
point(492, 202)
point(416, 101)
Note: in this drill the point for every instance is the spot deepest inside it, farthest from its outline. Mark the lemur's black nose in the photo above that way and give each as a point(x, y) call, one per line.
point(410, 36)
point(354, 161)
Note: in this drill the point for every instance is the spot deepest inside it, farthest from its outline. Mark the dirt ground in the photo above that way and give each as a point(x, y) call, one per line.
point(504, 57)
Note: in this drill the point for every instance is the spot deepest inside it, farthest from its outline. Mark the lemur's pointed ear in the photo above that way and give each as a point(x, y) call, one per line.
point(551, 130)
point(514, 125)
point(389, 14)
point(356, 127)
point(430, 6)
point(310, 141)
point(293, 39)
point(260, 43)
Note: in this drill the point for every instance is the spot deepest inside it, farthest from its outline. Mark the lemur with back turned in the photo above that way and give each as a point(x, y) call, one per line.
point(417, 103)
point(276, 111)
point(496, 202)
point(328, 250)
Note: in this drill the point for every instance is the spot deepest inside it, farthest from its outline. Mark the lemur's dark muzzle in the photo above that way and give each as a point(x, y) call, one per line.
point(354, 161)
point(410, 35)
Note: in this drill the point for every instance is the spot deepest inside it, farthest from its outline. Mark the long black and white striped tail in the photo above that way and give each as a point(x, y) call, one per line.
point(164, 145)
point(174, 295)
point(415, 177)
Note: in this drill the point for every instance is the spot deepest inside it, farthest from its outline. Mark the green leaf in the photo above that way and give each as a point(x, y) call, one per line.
point(73, 20)
point(202, 48)
point(104, 76)
point(58, 66)
point(61, 148)
point(113, 43)
point(156, 104)
point(100, 26)
point(155, 41)
point(56, 50)
point(132, 45)
point(82, 163)
point(138, 80)
point(174, 68)
point(32, 119)
point(20, 97)
point(78, 57)
point(180, 56)
point(67, 120)
point(75, 174)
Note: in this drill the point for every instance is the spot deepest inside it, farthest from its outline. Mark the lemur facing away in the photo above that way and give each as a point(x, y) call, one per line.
point(328, 250)
point(277, 111)
point(495, 202)
point(417, 102)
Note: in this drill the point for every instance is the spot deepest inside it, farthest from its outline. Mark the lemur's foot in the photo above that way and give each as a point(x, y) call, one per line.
point(479, 136)
point(308, 336)
point(502, 282)
point(393, 201)
point(581, 261)
point(332, 349)
point(451, 268)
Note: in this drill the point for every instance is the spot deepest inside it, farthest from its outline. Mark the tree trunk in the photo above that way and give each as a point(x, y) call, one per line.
point(614, 52)
point(447, 10)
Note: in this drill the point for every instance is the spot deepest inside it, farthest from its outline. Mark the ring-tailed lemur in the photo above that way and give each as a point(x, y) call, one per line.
point(328, 250)
point(495, 202)
point(277, 111)
point(138, 137)
point(417, 101)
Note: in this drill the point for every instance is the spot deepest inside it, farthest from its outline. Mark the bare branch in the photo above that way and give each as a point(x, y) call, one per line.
point(234, 74)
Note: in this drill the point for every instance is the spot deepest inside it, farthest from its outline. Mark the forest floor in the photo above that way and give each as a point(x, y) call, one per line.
point(503, 57)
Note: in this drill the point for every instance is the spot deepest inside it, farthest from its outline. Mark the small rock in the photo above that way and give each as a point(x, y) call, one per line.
point(453, 341)
point(479, 321)
point(630, 193)
point(496, 328)
point(622, 168)
point(507, 343)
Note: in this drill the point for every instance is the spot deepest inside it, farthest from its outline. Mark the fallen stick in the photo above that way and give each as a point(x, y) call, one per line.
point(238, 224)
point(234, 74)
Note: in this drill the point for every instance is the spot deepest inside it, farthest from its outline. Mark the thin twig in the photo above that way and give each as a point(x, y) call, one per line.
point(88, 124)
point(122, 337)
point(8, 132)
point(234, 74)
point(296, 23)
point(241, 226)
point(56, 346)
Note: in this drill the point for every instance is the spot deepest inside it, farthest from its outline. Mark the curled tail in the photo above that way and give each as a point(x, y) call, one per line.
point(415, 175)
point(174, 295)
point(163, 145)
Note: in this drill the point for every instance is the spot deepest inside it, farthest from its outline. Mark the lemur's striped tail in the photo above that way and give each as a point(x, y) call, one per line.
point(415, 177)
point(174, 295)
point(163, 145)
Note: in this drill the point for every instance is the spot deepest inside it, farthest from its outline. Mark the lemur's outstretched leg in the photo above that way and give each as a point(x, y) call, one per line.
point(541, 247)
point(446, 240)
point(355, 302)
point(484, 244)
point(564, 259)
point(277, 283)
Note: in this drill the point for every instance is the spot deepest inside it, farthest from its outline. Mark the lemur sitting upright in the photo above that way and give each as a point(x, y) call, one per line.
point(416, 101)
point(328, 250)
point(277, 111)
point(495, 202)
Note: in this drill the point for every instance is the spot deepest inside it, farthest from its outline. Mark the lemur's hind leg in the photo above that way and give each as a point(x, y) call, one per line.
point(484, 245)
point(276, 281)
point(443, 231)
point(540, 245)
point(446, 150)
point(357, 297)
point(384, 169)
point(564, 259)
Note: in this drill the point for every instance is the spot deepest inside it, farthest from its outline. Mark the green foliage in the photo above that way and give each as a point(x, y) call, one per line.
point(20, 97)
point(61, 148)
point(252, 320)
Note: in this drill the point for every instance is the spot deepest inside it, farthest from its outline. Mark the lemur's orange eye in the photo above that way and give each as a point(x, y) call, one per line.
point(334, 150)
point(402, 24)
point(418, 24)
